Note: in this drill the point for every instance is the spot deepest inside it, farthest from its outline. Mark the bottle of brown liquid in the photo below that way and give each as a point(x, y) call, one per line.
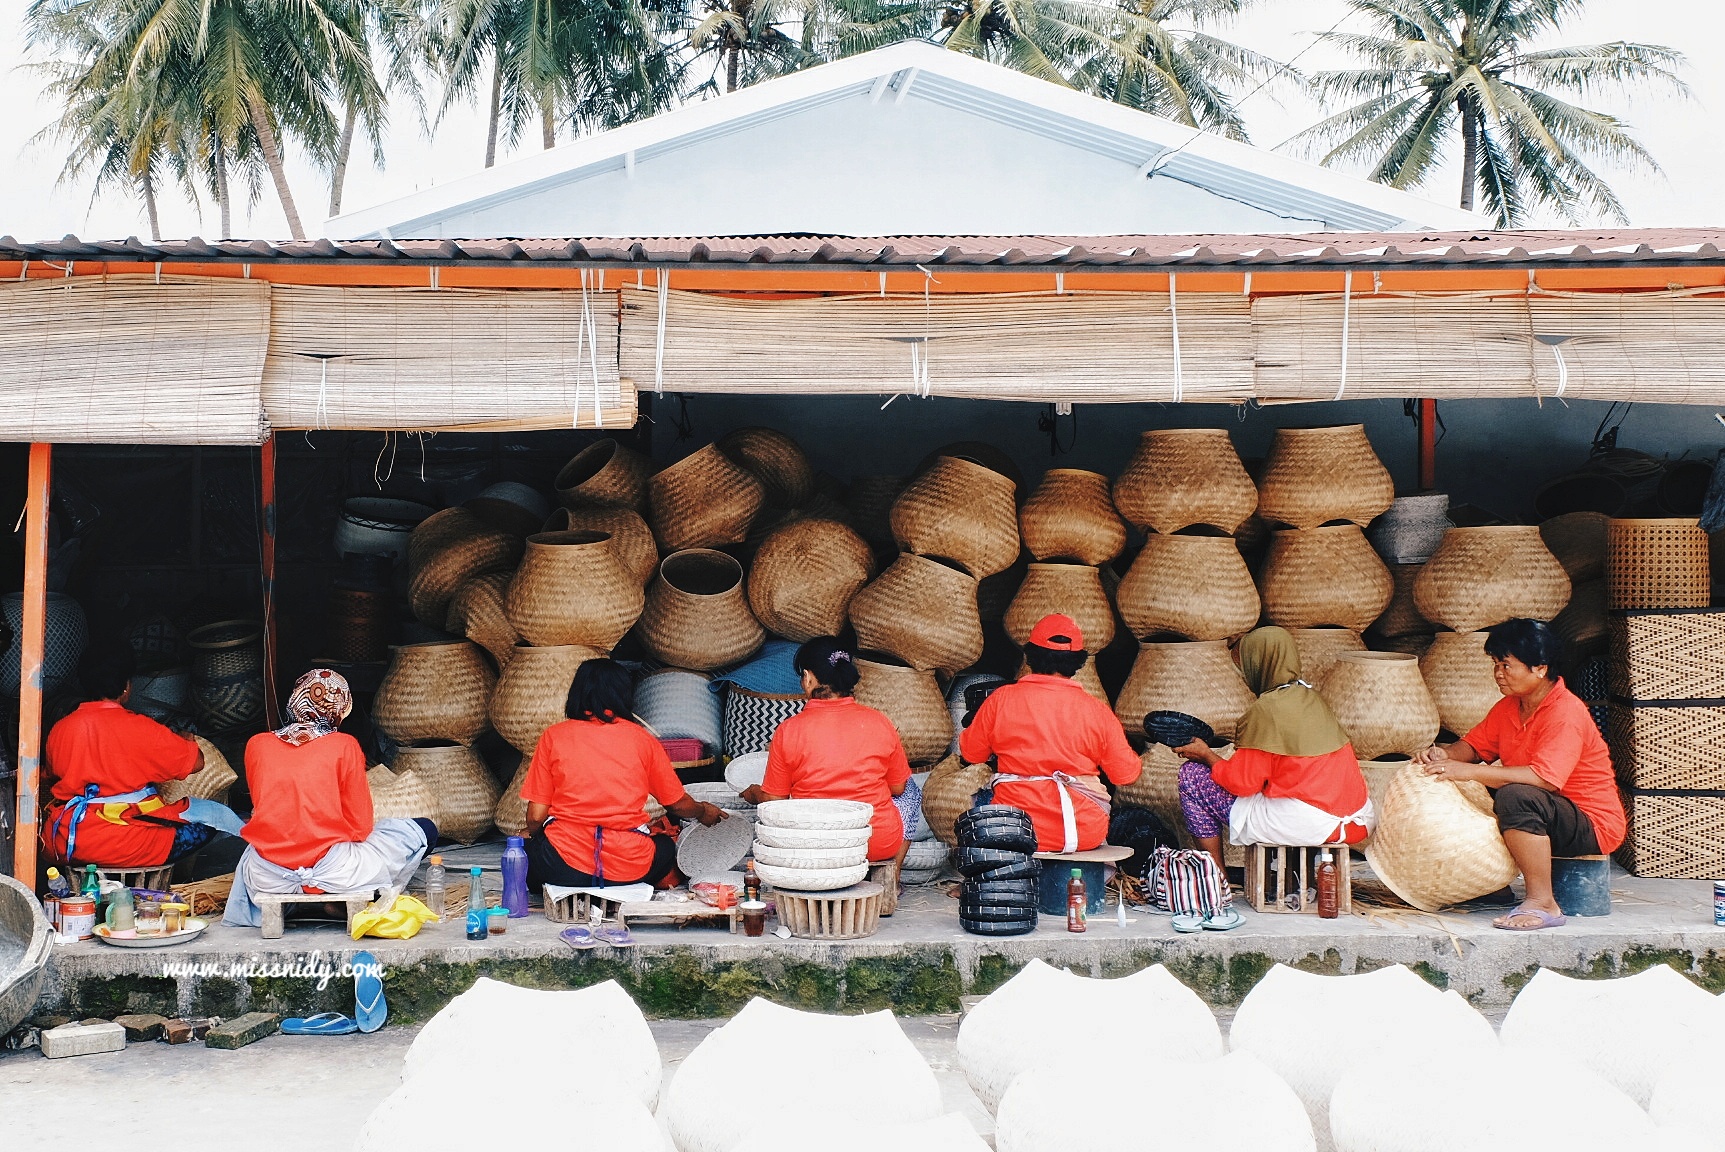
point(1329, 901)
point(751, 882)
point(1075, 902)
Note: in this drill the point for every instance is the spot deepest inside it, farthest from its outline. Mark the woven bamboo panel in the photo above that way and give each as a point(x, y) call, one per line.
point(1106, 348)
point(127, 360)
point(1667, 746)
point(1612, 346)
point(450, 360)
point(1657, 564)
point(1675, 837)
point(1673, 655)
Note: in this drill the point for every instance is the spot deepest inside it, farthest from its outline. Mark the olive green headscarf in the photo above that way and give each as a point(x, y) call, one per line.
point(1289, 718)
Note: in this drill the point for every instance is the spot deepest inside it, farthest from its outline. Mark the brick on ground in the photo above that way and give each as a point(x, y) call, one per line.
point(143, 1026)
point(83, 1040)
point(241, 1030)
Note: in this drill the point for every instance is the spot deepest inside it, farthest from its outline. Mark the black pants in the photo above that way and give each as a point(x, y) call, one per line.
point(546, 866)
point(1529, 808)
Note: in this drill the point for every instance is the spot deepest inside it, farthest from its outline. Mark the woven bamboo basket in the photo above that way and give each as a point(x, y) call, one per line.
point(847, 914)
point(1581, 624)
point(604, 475)
point(1667, 655)
point(1086, 678)
point(1412, 529)
point(1327, 575)
point(1192, 586)
point(1194, 677)
point(478, 613)
point(227, 663)
point(1319, 648)
point(870, 500)
point(358, 626)
point(1483, 576)
point(675, 704)
point(994, 593)
point(443, 572)
point(751, 718)
point(804, 577)
point(1459, 675)
point(1436, 842)
point(403, 796)
point(1181, 477)
point(1157, 787)
point(460, 784)
point(631, 539)
point(1577, 539)
point(571, 588)
point(510, 815)
point(776, 461)
point(436, 691)
point(436, 532)
point(1402, 617)
point(911, 699)
point(1378, 774)
point(1675, 837)
point(947, 792)
point(1071, 516)
point(702, 501)
point(211, 782)
point(922, 611)
point(960, 510)
point(1072, 589)
point(1657, 564)
point(1314, 475)
point(1382, 703)
point(1667, 746)
point(697, 615)
point(1416, 645)
point(533, 692)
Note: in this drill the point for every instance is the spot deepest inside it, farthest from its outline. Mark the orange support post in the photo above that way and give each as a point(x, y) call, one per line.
point(1428, 445)
point(272, 705)
point(35, 629)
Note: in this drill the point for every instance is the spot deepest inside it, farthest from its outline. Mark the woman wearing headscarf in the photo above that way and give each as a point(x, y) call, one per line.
point(1293, 777)
point(312, 829)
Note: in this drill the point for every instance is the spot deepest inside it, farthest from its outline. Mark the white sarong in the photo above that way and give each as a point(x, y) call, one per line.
point(385, 859)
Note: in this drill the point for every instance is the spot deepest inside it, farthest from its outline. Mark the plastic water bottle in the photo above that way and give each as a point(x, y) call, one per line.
point(515, 876)
point(436, 885)
point(92, 882)
point(477, 926)
point(57, 884)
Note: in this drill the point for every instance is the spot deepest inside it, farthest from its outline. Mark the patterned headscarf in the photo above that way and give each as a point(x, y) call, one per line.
point(320, 701)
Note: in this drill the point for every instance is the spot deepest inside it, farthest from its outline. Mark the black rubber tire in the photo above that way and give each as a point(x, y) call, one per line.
point(1002, 893)
point(1026, 868)
point(996, 826)
point(976, 861)
point(996, 927)
point(994, 912)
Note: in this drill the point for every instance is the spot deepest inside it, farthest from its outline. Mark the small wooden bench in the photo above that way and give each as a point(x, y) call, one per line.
point(1093, 863)
point(578, 908)
point(151, 879)
point(273, 905)
point(1270, 894)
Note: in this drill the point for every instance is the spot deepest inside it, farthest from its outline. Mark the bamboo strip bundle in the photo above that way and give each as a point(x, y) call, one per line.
point(1611, 346)
point(1113, 347)
point(456, 360)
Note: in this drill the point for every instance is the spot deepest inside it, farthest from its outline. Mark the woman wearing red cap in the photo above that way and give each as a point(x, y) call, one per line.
point(1053, 742)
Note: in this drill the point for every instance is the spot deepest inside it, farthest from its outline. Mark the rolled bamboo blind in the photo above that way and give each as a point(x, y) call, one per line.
point(455, 360)
point(133, 361)
point(1660, 349)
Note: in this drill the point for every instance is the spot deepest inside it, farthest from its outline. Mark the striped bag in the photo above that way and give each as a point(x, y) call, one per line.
point(1186, 880)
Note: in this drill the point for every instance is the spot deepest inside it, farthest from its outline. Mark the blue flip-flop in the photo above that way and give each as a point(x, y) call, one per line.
point(369, 1007)
point(578, 938)
point(323, 1024)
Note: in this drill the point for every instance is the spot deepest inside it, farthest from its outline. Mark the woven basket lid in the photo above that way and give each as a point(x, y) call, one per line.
point(720, 847)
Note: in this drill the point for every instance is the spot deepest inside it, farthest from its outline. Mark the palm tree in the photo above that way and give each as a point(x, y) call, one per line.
point(748, 39)
point(398, 30)
point(1432, 69)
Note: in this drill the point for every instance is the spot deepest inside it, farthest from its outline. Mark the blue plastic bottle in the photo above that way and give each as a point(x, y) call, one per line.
point(515, 876)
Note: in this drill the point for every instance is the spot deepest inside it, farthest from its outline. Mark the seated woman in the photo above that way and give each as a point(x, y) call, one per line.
point(1050, 739)
point(1293, 778)
point(107, 761)
point(312, 829)
point(1553, 787)
point(587, 790)
point(837, 749)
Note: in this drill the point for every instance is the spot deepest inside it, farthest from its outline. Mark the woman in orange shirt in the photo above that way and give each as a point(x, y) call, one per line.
point(312, 828)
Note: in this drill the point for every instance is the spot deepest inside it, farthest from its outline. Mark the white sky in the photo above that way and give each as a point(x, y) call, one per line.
point(1686, 138)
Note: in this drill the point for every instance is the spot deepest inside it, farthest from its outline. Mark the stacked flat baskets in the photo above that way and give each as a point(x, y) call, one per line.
point(814, 855)
point(996, 855)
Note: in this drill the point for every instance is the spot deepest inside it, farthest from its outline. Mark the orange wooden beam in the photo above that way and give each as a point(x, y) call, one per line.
point(32, 643)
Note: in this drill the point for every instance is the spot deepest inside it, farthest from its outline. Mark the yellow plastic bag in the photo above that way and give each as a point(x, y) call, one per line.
point(402, 920)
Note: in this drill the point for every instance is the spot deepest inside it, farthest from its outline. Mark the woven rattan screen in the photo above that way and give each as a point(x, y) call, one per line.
point(1656, 349)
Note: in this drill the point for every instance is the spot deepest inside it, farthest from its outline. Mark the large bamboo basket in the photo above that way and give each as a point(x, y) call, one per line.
point(1657, 564)
point(776, 460)
point(994, 594)
point(922, 611)
point(1192, 586)
point(870, 500)
point(478, 613)
point(947, 792)
point(912, 701)
point(1195, 677)
point(1582, 623)
point(1381, 701)
point(697, 613)
point(1577, 539)
point(1319, 648)
point(438, 530)
point(510, 815)
point(1327, 575)
point(1459, 675)
point(1437, 842)
point(631, 539)
point(211, 782)
point(604, 475)
point(1412, 529)
point(572, 589)
point(1071, 516)
point(404, 796)
point(1402, 617)
point(960, 510)
point(1074, 590)
point(804, 577)
point(1181, 477)
point(436, 691)
point(442, 572)
point(703, 500)
point(460, 784)
point(533, 692)
point(1483, 576)
point(1314, 475)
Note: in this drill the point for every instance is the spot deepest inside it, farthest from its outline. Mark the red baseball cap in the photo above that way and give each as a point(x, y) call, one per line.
point(1057, 632)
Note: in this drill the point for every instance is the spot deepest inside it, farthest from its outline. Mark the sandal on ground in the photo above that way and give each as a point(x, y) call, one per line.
point(578, 938)
point(1225, 920)
point(370, 1008)
point(323, 1024)
point(616, 937)
point(1546, 920)
point(1188, 922)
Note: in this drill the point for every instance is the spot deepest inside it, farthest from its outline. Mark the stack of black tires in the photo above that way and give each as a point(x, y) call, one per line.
point(1002, 877)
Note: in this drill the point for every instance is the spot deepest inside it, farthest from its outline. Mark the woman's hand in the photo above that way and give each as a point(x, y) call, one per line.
point(1436, 754)
point(1199, 751)
point(752, 794)
point(1452, 770)
point(711, 814)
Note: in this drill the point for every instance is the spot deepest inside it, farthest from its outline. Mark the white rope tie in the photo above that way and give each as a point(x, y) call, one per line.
point(589, 325)
point(1347, 315)
point(320, 421)
point(1174, 310)
point(659, 343)
point(1562, 371)
point(24, 271)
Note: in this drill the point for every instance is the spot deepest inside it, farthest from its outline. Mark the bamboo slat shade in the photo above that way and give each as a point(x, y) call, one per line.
point(1114, 347)
point(1606, 346)
point(455, 360)
point(131, 361)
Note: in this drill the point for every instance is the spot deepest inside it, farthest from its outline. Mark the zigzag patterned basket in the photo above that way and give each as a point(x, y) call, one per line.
point(1668, 746)
point(751, 718)
point(1674, 654)
point(1675, 836)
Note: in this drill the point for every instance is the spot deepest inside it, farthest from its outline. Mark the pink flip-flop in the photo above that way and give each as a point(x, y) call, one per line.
point(1546, 920)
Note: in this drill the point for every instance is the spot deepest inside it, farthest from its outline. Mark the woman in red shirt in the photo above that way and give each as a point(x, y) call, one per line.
point(587, 789)
point(312, 828)
point(1552, 786)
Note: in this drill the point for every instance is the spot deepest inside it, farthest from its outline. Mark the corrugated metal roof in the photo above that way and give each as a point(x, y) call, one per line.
point(1521, 249)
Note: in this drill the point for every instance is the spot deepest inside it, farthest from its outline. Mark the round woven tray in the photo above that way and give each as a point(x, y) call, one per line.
point(1179, 477)
point(1657, 564)
point(804, 577)
point(1192, 586)
point(922, 611)
point(697, 615)
point(961, 510)
point(1073, 590)
point(1071, 517)
point(816, 815)
point(703, 500)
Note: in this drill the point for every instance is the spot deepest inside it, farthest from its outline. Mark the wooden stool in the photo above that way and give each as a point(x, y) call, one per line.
point(577, 908)
point(1582, 884)
point(1304, 860)
point(153, 879)
point(844, 914)
point(1093, 864)
point(272, 905)
point(886, 875)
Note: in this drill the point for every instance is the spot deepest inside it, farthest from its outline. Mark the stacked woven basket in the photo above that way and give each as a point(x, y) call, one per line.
point(812, 845)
